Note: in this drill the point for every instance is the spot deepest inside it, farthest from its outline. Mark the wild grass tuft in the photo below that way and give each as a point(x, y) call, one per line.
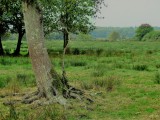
point(26, 79)
point(86, 85)
point(4, 80)
point(98, 73)
point(14, 86)
point(48, 113)
point(140, 67)
point(98, 70)
point(108, 83)
point(99, 52)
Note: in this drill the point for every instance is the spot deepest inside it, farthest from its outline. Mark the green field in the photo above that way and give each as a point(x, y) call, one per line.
point(123, 79)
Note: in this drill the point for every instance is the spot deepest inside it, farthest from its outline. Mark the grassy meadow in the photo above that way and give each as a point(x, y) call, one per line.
point(123, 79)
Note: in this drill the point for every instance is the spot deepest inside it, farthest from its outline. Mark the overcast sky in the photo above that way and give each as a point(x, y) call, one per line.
point(125, 13)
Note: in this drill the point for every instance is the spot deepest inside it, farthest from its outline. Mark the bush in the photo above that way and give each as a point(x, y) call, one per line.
point(157, 78)
point(158, 66)
point(99, 52)
point(152, 36)
point(78, 63)
point(76, 51)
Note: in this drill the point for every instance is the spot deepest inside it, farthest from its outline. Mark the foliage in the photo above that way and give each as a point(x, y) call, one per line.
point(152, 36)
point(13, 15)
point(3, 25)
point(72, 15)
point(142, 30)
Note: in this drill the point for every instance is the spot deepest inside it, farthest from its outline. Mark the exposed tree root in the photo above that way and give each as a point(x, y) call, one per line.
point(67, 94)
point(38, 99)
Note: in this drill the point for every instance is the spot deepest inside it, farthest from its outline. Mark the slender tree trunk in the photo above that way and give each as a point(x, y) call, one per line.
point(20, 36)
point(1, 47)
point(65, 38)
point(48, 82)
point(65, 47)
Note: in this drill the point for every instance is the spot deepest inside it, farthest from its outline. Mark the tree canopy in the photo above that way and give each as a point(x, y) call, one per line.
point(142, 30)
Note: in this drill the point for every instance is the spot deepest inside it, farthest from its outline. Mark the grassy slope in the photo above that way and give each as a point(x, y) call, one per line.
point(119, 76)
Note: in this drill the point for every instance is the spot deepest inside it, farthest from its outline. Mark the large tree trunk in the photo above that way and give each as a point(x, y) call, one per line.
point(1, 47)
point(20, 36)
point(48, 82)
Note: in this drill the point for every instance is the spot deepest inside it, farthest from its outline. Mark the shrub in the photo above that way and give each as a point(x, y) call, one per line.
point(78, 63)
point(158, 66)
point(76, 51)
point(99, 52)
point(157, 78)
point(83, 52)
point(152, 36)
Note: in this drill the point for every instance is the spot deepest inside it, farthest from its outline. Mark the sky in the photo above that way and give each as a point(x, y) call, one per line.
point(129, 13)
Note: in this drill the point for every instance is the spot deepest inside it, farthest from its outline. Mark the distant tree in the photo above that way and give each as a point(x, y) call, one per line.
point(142, 30)
point(114, 36)
point(3, 29)
point(13, 16)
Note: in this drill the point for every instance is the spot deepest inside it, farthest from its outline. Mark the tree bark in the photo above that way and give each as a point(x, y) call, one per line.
point(1, 47)
point(48, 82)
point(65, 38)
point(65, 47)
point(50, 85)
point(20, 36)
